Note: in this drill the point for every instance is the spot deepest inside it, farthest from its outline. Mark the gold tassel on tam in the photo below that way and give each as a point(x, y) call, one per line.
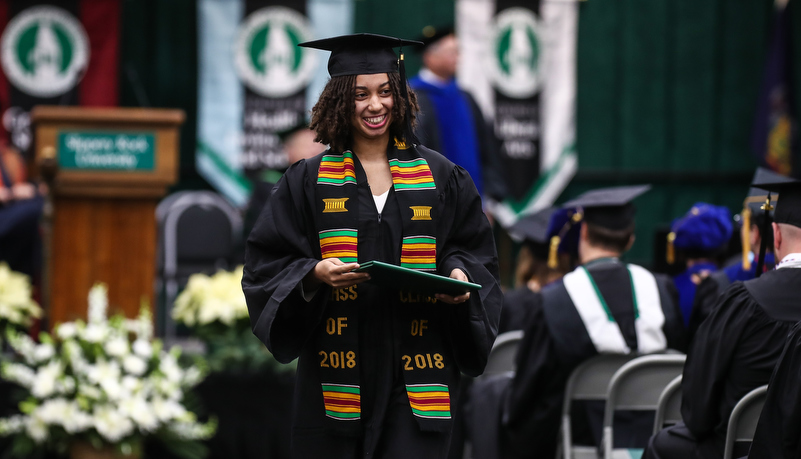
point(671, 251)
point(553, 253)
point(746, 234)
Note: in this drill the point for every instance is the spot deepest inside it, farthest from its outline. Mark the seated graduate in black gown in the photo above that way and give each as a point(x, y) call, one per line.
point(573, 324)
point(778, 433)
point(737, 346)
point(697, 239)
point(548, 251)
point(377, 367)
point(757, 237)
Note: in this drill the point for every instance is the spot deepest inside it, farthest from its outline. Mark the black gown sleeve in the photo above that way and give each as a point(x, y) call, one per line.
point(674, 330)
point(706, 296)
point(778, 433)
point(517, 306)
point(278, 256)
point(532, 403)
point(470, 246)
point(710, 358)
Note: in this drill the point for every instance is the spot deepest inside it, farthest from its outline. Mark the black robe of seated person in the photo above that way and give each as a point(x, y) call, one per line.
point(778, 434)
point(735, 351)
point(549, 353)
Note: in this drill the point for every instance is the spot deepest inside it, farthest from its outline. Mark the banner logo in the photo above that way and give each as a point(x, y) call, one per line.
point(267, 58)
point(516, 46)
point(44, 51)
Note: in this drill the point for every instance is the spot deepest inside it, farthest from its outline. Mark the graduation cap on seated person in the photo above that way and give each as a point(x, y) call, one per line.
point(547, 233)
point(610, 208)
point(532, 229)
point(705, 228)
point(787, 208)
point(752, 210)
point(367, 54)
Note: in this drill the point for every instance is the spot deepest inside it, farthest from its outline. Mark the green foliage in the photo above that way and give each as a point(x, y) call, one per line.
point(236, 349)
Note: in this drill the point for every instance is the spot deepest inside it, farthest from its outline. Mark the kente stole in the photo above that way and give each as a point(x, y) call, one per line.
point(425, 363)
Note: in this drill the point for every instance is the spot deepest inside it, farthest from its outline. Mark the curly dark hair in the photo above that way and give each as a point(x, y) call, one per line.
point(331, 115)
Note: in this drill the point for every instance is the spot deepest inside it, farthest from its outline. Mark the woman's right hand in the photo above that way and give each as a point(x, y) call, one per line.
point(334, 272)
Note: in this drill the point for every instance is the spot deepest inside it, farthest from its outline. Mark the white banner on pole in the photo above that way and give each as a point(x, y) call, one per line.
point(557, 101)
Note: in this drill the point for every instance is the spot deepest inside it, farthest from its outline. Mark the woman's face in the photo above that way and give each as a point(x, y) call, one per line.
point(373, 114)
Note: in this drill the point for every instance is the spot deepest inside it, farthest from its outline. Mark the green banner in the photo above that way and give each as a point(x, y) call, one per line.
point(106, 150)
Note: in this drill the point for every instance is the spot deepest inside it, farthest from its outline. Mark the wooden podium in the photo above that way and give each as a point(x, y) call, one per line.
point(113, 165)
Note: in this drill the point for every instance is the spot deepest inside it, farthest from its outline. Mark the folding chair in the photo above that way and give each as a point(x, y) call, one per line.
point(199, 232)
point(744, 418)
point(502, 356)
point(668, 410)
point(589, 381)
point(637, 386)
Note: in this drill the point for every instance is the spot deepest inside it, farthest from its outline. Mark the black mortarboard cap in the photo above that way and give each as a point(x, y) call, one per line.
point(533, 228)
point(758, 209)
point(609, 207)
point(432, 34)
point(757, 196)
point(788, 205)
point(361, 53)
point(546, 232)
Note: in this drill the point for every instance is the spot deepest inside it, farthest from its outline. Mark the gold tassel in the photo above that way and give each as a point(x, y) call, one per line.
point(553, 253)
point(746, 234)
point(671, 251)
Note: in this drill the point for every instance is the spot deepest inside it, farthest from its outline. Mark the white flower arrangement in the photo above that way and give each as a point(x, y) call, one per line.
point(104, 381)
point(209, 299)
point(214, 308)
point(17, 307)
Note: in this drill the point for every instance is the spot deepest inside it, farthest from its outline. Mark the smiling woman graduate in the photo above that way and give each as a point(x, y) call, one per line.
point(378, 368)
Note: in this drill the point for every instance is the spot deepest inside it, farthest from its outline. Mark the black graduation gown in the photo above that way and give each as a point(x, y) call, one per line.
point(546, 357)
point(778, 433)
point(284, 247)
point(734, 352)
point(517, 306)
point(706, 297)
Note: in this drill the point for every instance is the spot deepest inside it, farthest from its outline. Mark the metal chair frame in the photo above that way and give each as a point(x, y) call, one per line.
point(588, 381)
point(168, 214)
point(637, 386)
point(744, 418)
point(668, 410)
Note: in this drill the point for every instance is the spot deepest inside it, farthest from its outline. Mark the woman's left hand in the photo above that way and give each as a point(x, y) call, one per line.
point(457, 274)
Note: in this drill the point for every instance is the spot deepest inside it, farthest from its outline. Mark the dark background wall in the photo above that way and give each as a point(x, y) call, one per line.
point(666, 90)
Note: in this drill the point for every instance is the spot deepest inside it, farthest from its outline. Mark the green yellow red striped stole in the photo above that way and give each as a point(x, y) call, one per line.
point(413, 174)
point(340, 243)
point(337, 170)
point(432, 401)
point(419, 252)
point(415, 201)
point(342, 401)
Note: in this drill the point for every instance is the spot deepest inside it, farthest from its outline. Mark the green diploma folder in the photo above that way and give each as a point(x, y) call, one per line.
point(396, 277)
